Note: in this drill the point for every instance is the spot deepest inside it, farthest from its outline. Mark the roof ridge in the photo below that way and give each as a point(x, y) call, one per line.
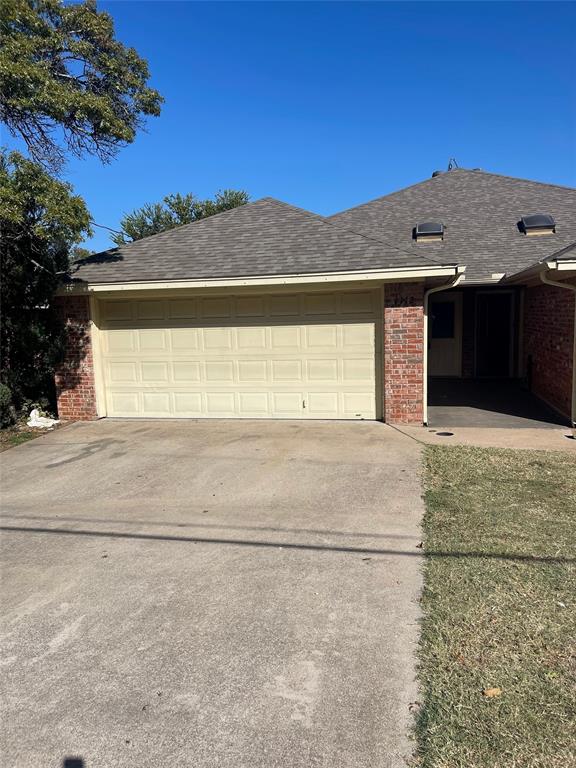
point(514, 178)
point(446, 174)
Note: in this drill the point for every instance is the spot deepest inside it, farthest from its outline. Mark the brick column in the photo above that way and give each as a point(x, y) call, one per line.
point(548, 344)
point(404, 353)
point(75, 387)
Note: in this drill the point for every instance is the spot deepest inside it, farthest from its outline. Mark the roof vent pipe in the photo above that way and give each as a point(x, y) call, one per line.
point(437, 173)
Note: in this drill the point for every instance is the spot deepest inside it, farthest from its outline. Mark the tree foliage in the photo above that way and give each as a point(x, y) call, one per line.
point(40, 219)
point(63, 74)
point(173, 211)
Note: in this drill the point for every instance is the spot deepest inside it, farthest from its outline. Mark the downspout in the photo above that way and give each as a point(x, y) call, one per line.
point(452, 284)
point(545, 279)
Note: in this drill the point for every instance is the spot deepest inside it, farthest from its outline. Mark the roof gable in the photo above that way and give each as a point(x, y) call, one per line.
point(266, 237)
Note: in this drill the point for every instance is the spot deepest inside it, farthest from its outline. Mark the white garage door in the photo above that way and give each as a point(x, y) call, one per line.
point(308, 355)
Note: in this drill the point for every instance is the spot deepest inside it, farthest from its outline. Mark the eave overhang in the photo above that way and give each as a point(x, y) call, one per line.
point(404, 274)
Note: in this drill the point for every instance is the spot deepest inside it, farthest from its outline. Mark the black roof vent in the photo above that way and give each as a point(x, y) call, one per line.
point(429, 230)
point(538, 224)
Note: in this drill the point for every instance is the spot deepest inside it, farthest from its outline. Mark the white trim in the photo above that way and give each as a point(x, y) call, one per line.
point(564, 265)
point(406, 273)
point(452, 284)
point(97, 365)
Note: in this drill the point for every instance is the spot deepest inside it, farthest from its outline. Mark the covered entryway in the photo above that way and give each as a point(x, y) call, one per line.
point(305, 355)
point(496, 404)
point(478, 372)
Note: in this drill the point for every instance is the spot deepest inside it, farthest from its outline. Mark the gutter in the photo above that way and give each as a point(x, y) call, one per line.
point(446, 286)
point(392, 274)
point(544, 277)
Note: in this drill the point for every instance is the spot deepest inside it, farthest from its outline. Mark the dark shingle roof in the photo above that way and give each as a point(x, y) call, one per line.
point(480, 212)
point(266, 237)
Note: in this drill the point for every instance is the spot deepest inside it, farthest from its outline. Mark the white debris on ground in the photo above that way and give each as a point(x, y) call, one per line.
point(36, 420)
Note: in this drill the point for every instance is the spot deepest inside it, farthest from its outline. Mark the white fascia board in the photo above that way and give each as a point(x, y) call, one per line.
point(382, 275)
point(563, 265)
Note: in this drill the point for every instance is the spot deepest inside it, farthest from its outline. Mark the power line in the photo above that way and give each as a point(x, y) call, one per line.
point(103, 226)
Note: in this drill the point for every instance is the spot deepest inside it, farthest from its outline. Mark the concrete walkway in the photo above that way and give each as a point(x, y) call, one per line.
point(231, 594)
point(553, 439)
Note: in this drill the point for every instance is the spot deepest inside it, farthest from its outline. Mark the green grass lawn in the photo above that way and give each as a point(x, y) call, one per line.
point(499, 610)
point(13, 436)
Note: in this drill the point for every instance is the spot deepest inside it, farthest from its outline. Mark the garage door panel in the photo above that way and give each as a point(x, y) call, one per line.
point(358, 303)
point(187, 404)
point(354, 403)
point(121, 341)
point(152, 340)
point(150, 310)
point(220, 404)
point(184, 339)
point(182, 309)
point(154, 372)
point(285, 306)
point(121, 372)
point(321, 337)
point(249, 339)
point(187, 371)
point(221, 371)
point(217, 307)
point(322, 370)
point(286, 337)
point(156, 404)
point(118, 310)
point(250, 306)
point(286, 356)
point(323, 404)
point(358, 369)
point(253, 370)
point(253, 403)
point(217, 339)
point(287, 404)
point(357, 335)
point(321, 304)
point(286, 370)
point(124, 403)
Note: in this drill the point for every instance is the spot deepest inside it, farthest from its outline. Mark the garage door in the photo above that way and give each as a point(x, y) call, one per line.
point(309, 355)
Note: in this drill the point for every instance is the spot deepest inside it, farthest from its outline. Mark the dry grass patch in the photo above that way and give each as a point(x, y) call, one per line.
point(499, 610)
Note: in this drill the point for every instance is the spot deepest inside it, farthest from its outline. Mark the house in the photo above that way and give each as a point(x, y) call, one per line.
point(270, 311)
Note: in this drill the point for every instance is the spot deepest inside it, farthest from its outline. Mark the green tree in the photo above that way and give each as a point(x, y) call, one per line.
point(173, 211)
point(40, 220)
point(64, 76)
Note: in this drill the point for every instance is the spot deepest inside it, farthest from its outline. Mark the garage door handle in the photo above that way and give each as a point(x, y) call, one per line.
point(303, 403)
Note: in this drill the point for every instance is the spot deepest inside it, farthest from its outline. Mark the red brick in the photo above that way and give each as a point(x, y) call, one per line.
point(75, 386)
point(549, 342)
point(403, 353)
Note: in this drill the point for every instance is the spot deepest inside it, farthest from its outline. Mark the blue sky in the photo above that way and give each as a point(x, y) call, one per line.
point(327, 105)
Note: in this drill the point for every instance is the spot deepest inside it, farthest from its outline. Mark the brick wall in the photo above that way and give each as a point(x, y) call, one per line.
point(403, 353)
point(75, 388)
point(548, 341)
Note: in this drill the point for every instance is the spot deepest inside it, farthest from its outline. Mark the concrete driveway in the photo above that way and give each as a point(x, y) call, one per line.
point(231, 594)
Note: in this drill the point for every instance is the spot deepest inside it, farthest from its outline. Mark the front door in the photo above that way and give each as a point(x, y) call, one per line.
point(445, 334)
point(494, 315)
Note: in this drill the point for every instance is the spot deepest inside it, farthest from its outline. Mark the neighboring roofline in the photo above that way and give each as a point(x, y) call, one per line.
point(550, 264)
point(392, 274)
point(562, 265)
point(444, 173)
